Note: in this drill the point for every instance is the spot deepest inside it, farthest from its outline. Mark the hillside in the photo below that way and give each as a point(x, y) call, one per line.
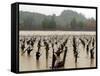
point(67, 20)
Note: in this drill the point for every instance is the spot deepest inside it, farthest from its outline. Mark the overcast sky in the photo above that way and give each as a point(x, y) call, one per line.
point(49, 10)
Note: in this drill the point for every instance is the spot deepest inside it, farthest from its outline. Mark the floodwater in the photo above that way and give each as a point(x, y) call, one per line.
point(29, 63)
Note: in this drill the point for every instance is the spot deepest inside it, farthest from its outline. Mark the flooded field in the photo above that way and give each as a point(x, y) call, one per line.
point(44, 50)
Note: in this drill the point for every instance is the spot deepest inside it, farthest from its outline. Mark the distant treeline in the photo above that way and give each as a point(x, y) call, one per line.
point(68, 20)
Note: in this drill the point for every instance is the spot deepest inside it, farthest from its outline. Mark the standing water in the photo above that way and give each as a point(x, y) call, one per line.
point(83, 55)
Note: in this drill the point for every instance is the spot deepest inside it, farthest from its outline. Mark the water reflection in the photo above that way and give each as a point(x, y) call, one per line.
point(91, 62)
point(38, 64)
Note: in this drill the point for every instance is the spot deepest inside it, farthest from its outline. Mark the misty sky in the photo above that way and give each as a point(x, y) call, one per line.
point(49, 10)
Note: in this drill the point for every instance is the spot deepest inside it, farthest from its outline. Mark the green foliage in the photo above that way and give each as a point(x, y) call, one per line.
point(77, 24)
point(67, 20)
point(52, 23)
point(73, 23)
point(45, 23)
point(49, 23)
point(81, 24)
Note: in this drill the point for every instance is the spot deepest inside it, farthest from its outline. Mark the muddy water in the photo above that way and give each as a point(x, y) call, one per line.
point(29, 63)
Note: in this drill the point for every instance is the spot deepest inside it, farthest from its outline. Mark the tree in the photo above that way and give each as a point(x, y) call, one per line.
point(45, 23)
point(91, 24)
point(52, 23)
point(49, 23)
point(73, 23)
point(28, 21)
point(80, 24)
